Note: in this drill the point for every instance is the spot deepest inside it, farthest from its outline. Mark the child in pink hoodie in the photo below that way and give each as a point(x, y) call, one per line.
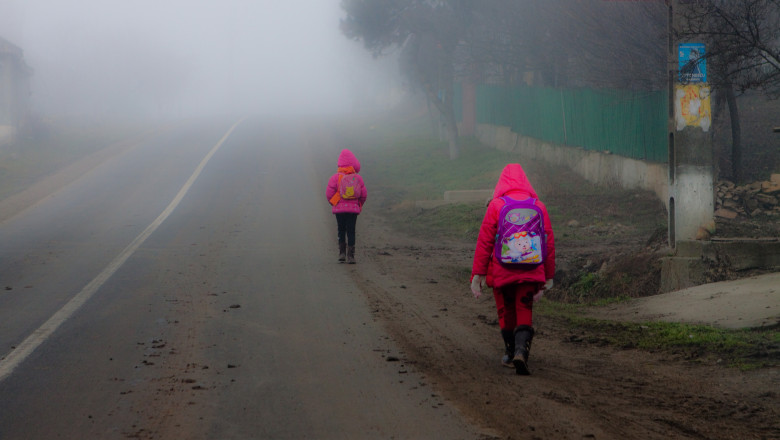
point(514, 287)
point(347, 193)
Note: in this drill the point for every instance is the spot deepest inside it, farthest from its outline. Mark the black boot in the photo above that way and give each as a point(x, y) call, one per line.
point(523, 336)
point(509, 348)
point(350, 254)
point(342, 252)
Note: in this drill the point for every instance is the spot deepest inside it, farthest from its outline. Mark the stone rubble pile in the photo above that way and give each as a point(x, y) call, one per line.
point(752, 199)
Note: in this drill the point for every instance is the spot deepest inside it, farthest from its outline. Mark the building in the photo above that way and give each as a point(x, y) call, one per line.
point(14, 91)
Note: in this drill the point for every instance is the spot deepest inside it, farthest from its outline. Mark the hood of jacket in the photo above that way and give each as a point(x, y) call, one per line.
point(513, 181)
point(348, 159)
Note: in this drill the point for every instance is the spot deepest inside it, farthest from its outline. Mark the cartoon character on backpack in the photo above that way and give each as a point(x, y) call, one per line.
point(520, 232)
point(348, 187)
point(523, 248)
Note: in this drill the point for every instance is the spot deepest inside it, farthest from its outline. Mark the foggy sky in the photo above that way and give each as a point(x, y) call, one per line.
point(190, 57)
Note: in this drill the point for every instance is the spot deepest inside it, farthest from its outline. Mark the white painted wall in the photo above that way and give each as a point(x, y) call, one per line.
point(597, 167)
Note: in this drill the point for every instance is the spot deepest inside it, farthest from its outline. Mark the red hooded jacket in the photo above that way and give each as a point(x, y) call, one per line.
point(512, 183)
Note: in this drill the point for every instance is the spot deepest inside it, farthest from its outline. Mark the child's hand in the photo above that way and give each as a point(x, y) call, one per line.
point(477, 282)
point(548, 285)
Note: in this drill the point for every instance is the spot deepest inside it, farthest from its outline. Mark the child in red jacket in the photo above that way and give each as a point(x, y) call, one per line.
point(515, 287)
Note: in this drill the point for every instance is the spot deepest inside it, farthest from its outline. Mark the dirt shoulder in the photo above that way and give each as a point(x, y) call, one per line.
point(581, 387)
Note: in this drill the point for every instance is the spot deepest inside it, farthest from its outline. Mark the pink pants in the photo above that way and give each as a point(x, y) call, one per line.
point(515, 303)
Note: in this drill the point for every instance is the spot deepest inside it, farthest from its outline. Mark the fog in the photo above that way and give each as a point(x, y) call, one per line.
point(181, 58)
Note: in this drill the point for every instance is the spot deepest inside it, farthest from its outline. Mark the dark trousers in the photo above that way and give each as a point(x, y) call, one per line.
point(346, 222)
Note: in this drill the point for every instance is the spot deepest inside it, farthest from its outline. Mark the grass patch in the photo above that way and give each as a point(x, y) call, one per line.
point(745, 349)
point(417, 168)
point(460, 221)
point(583, 287)
point(409, 167)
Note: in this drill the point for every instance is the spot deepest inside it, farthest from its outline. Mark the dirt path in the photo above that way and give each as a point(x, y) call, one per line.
point(580, 388)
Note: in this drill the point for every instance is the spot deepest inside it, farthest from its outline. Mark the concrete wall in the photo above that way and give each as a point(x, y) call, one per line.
point(597, 167)
point(690, 266)
point(14, 90)
point(7, 89)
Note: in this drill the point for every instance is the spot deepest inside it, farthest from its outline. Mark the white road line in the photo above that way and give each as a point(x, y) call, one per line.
point(39, 336)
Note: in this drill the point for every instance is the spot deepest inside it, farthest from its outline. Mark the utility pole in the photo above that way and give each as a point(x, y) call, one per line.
point(691, 171)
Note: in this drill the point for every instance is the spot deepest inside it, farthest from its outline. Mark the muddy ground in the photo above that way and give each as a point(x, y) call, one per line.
point(581, 387)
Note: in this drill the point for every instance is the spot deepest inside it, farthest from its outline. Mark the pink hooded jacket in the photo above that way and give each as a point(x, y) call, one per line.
point(512, 183)
point(346, 160)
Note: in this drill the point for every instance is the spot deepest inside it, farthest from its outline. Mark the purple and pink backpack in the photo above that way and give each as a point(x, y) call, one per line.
point(520, 238)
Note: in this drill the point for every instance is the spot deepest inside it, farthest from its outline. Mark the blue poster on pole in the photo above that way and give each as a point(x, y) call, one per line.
point(692, 64)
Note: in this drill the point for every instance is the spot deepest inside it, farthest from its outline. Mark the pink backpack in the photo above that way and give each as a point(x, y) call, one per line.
point(348, 187)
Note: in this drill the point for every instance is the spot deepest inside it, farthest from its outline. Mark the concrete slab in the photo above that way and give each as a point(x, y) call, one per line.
point(745, 303)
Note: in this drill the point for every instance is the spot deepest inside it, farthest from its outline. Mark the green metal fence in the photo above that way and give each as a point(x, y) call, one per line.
point(632, 124)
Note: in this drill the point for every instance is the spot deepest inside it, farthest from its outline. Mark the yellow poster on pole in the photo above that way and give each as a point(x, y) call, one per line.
point(692, 105)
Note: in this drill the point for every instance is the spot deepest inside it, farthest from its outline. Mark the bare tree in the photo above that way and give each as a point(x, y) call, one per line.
point(743, 52)
point(564, 43)
point(743, 41)
point(427, 32)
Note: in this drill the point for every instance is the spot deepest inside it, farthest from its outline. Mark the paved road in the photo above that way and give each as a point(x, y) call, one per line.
point(228, 319)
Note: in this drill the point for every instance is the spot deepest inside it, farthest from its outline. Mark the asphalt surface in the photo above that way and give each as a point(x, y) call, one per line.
point(230, 320)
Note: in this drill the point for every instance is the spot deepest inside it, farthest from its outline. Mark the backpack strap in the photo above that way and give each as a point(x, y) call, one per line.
point(506, 199)
point(337, 197)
